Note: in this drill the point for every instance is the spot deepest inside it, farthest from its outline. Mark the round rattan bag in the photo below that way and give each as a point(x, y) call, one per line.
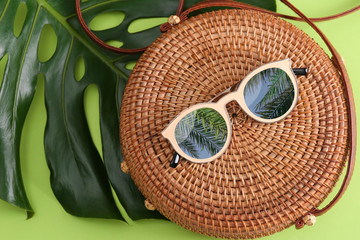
point(271, 175)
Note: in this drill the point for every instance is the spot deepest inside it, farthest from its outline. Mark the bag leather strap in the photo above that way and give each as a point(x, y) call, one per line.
point(204, 4)
point(337, 59)
point(352, 117)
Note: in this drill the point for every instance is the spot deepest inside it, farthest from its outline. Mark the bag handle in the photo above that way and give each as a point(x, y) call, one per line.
point(337, 59)
point(167, 25)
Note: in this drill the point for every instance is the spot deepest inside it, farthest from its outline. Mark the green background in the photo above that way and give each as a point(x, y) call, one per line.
point(52, 222)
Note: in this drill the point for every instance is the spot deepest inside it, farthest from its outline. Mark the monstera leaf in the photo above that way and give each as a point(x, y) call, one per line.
point(82, 178)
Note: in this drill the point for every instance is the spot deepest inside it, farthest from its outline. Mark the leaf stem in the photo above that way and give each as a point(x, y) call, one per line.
point(63, 21)
point(4, 10)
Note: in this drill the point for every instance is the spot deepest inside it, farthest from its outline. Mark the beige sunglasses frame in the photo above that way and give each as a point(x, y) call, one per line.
point(220, 107)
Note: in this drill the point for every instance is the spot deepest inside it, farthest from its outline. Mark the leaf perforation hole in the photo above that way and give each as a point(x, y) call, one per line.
point(19, 19)
point(115, 43)
point(47, 43)
point(130, 65)
point(106, 20)
point(80, 68)
point(142, 24)
point(3, 64)
point(92, 113)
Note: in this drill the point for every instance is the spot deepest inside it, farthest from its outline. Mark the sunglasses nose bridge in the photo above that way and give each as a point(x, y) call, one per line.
point(227, 98)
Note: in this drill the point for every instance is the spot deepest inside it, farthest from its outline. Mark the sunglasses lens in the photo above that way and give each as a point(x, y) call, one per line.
point(269, 94)
point(202, 133)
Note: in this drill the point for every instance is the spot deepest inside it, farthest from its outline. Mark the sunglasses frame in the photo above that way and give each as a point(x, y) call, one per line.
point(220, 106)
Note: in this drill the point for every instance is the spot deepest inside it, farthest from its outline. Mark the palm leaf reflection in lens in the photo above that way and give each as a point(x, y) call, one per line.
point(202, 133)
point(269, 94)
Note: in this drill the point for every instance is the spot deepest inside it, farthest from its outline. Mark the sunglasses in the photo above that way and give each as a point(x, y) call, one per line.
point(202, 132)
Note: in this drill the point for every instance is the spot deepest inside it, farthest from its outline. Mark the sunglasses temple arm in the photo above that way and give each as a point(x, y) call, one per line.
point(300, 71)
point(175, 160)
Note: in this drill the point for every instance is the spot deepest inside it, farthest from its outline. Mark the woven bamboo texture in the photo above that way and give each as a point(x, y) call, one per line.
point(271, 174)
